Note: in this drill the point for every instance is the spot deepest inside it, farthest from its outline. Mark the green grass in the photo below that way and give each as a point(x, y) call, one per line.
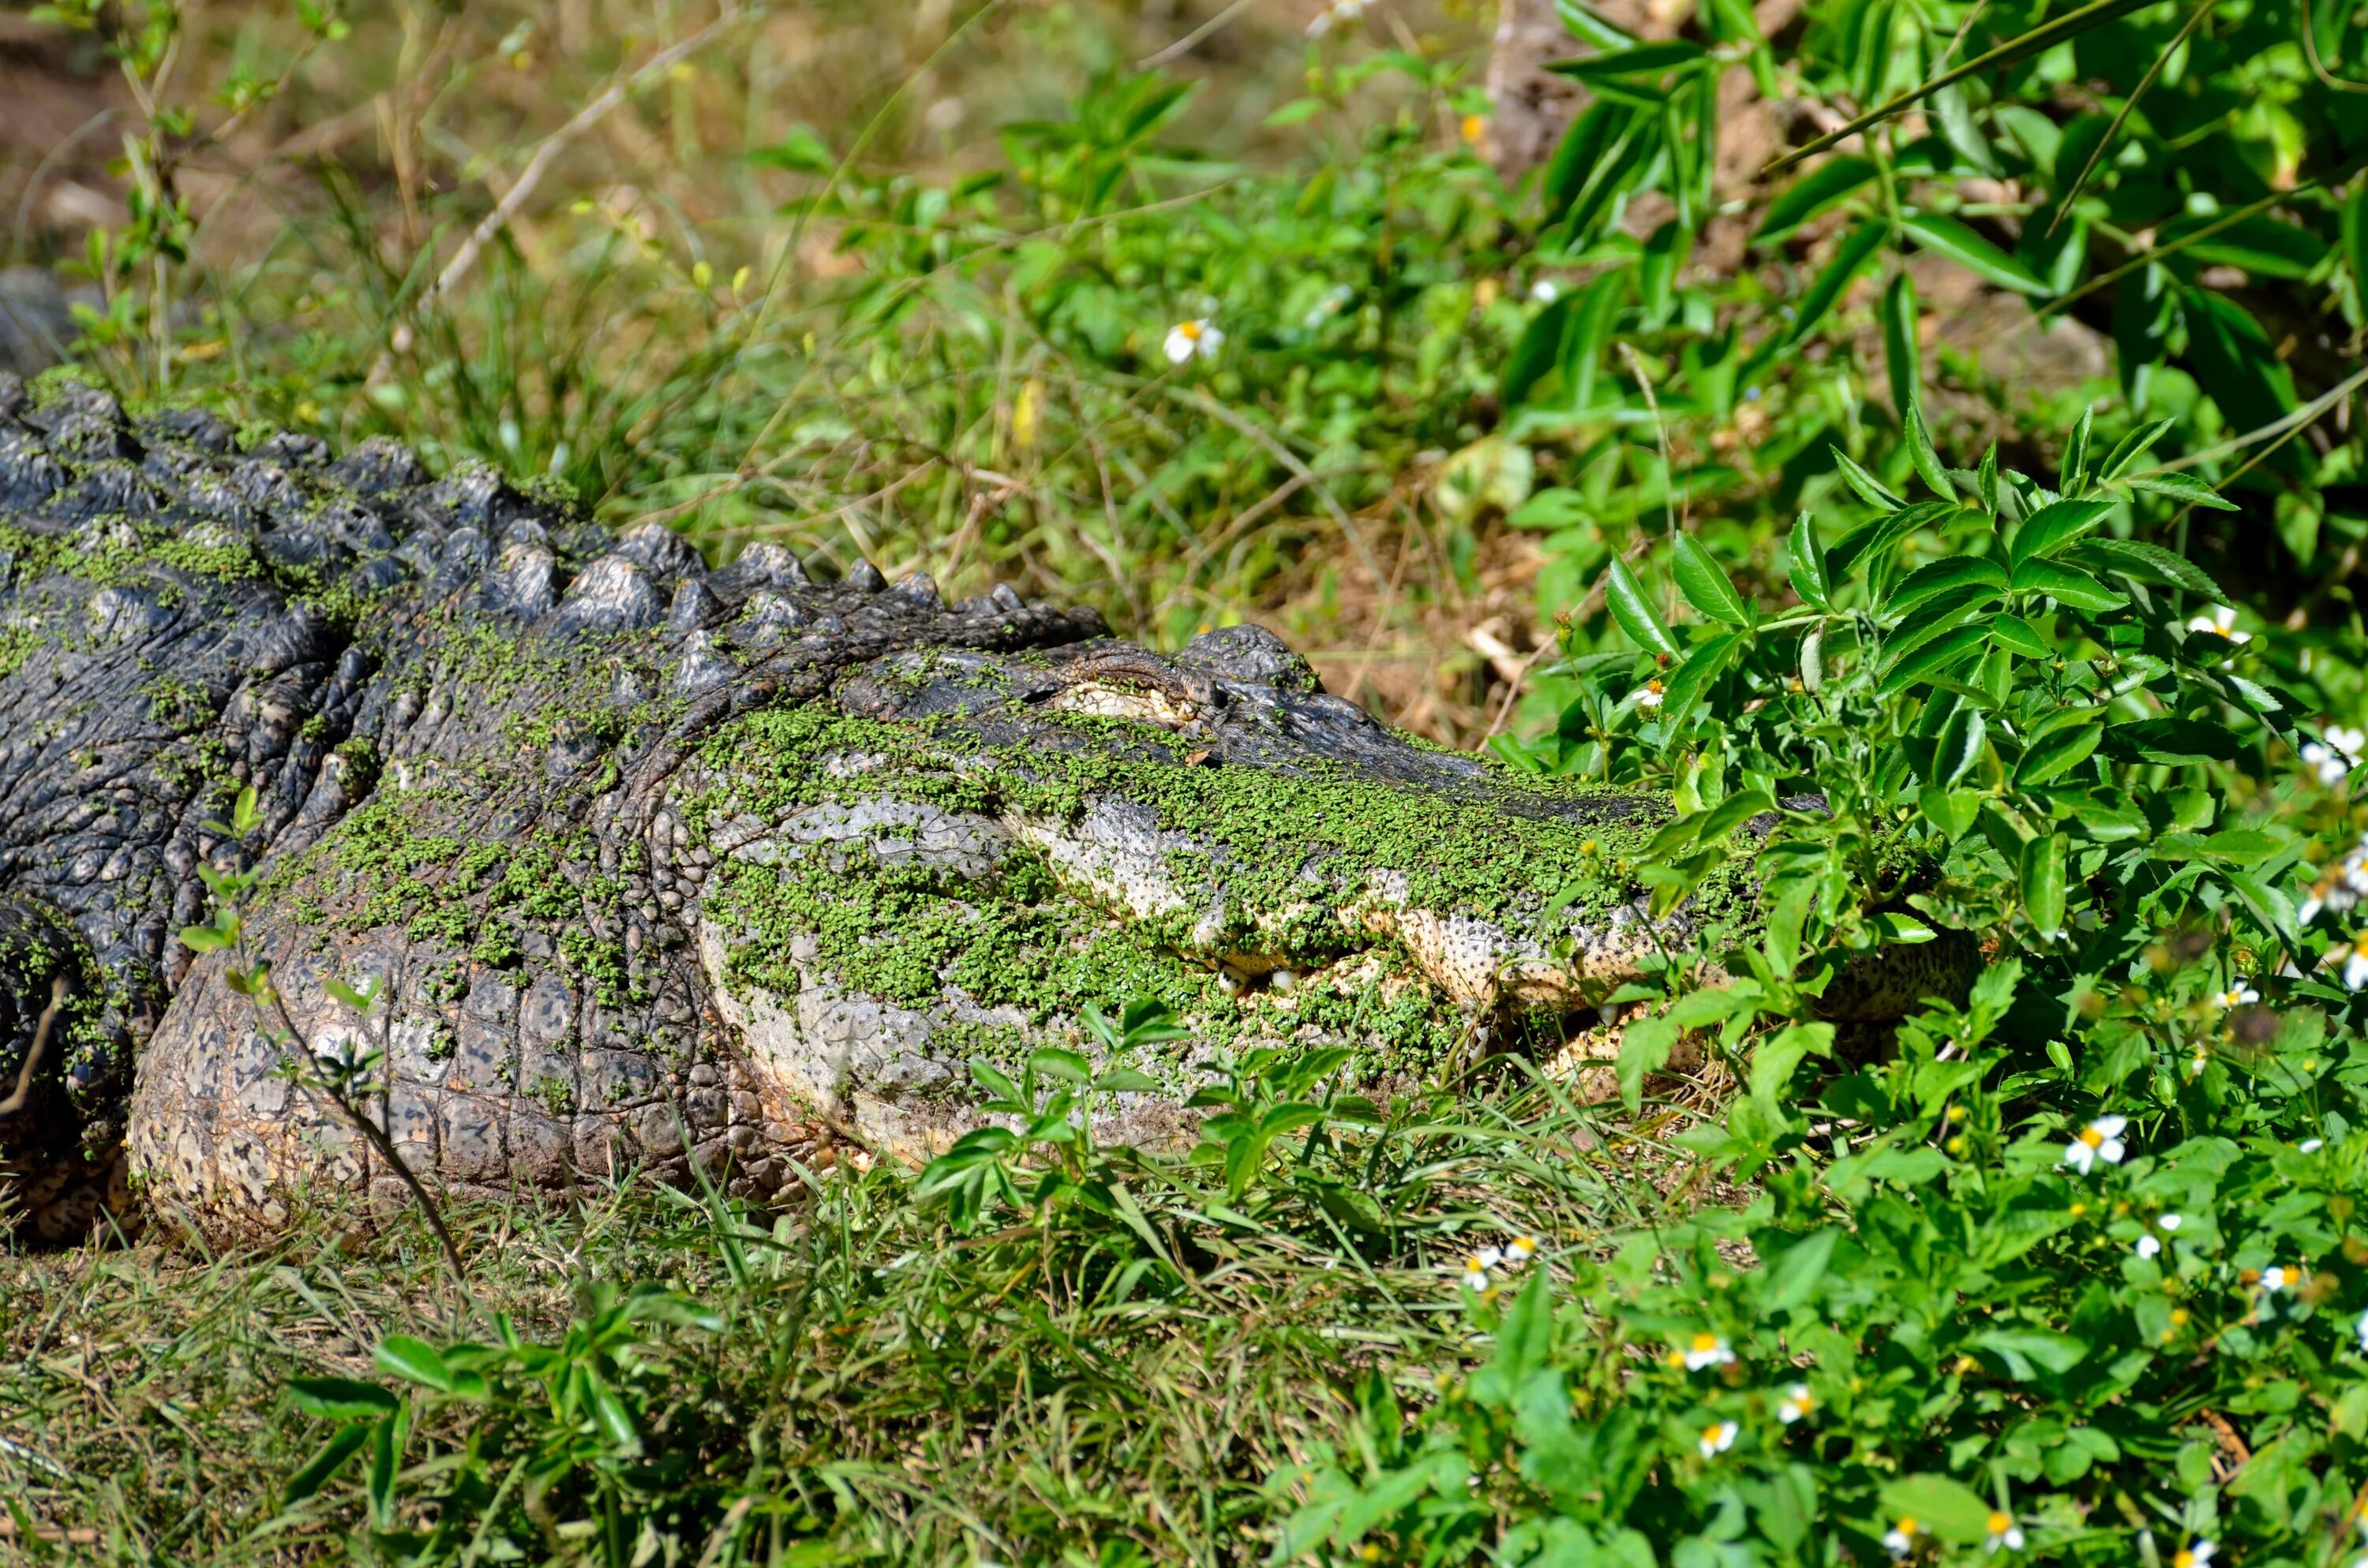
point(884, 1387)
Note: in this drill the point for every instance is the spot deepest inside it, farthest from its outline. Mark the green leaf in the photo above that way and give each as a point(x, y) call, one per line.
point(1905, 361)
point(1705, 664)
point(1732, 813)
point(1580, 156)
point(1874, 539)
point(2172, 740)
point(2236, 361)
point(2017, 635)
point(2067, 585)
point(1791, 1276)
point(1950, 238)
point(1705, 586)
point(343, 1444)
point(1810, 578)
point(801, 149)
point(1951, 810)
point(1949, 1510)
point(385, 1453)
point(340, 1399)
point(1961, 747)
point(1933, 658)
point(1776, 1057)
point(2181, 487)
point(1812, 194)
point(1857, 247)
point(1936, 615)
point(2043, 882)
point(2130, 447)
point(2146, 563)
point(2053, 527)
point(2028, 1352)
point(2269, 905)
point(2076, 453)
point(1644, 1047)
point(1871, 490)
point(1068, 1066)
point(414, 1361)
point(1634, 611)
point(1940, 577)
point(2355, 241)
point(2056, 753)
point(1590, 330)
point(2259, 245)
point(1536, 352)
point(1640, 60)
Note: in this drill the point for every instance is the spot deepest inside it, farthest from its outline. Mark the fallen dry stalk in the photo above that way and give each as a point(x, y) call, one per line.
point(547, 150)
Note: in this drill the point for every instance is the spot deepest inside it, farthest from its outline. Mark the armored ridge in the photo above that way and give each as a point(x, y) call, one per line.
point(655, 864)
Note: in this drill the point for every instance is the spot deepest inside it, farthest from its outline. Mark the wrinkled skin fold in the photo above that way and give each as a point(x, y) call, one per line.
point(655, 864)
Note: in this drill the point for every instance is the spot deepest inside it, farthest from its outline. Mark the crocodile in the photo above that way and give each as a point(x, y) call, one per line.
point(591, 857)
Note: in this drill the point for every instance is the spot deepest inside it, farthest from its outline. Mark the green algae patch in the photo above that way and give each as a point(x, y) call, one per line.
point(1257, 861)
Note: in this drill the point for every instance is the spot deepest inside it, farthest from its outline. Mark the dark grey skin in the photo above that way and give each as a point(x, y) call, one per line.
point(182, 617)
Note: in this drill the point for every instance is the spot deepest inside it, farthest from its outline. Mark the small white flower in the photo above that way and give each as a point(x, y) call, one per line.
point(1717, 1439)
point(1325, 308)
point(2101, 1140)
point(2005, 1534)
point(2311, 1145)
point(1799, 1402)
point(1187, 340)
point(1475, 1274)
point(2221, 622)
point(2169, 1223)
point(2335, 754)
point(1340, 13)
point(1545, 291)
point(1649, 695)
point(1707, 1351)
point(2195, 1555)
point(1900, 1539)
point(2238, 995)
point(1487, 1257)
point(2342, 885)
point(1519, 1250)
point(2148, 1246)
point(2277, 1277)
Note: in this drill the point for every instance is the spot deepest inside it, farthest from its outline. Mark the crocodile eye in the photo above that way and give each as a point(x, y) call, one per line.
point(1104, 699)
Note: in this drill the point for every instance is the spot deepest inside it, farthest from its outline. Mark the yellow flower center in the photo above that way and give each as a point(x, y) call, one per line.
point(2092, 1137)
point(1907, 1527)
point(2001, 1524)
point(1473, 126)
point(2184, 1560)
point(1191, 331)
